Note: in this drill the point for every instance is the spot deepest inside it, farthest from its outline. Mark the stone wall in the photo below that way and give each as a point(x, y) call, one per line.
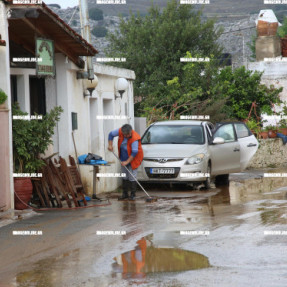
point(271, 153)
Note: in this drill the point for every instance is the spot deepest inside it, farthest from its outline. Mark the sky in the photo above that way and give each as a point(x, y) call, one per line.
point(63, 3)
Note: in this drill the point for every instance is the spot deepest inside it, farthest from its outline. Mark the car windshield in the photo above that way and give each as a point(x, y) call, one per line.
point(174, 134)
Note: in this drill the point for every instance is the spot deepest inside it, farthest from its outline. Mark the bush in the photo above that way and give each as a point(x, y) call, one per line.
point(99, 32)
point(3, 97)
point(32, 138)
point(96, 14)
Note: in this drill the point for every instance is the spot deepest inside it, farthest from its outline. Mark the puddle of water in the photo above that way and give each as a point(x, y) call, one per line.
point(270, 216)
point(257, 188)
point(36, 277)
point(42, 272)
point(146, 258)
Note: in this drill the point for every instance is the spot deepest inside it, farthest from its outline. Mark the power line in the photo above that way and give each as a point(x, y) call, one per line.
point(239, 30)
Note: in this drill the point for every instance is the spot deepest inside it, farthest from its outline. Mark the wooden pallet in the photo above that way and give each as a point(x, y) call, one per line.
point(74, 186)
point(59, 183)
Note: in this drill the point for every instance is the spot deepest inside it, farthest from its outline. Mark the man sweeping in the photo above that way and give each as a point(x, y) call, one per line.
point(131, 156)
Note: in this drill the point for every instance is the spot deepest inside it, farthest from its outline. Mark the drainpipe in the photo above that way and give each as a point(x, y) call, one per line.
point(86, 34)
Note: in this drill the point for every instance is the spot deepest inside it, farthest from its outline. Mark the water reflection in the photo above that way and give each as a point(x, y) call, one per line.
point(146, 258)
point(256, 189)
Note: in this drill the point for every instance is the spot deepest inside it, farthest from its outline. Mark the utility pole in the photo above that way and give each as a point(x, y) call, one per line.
point(243, 48)
point(86, 34)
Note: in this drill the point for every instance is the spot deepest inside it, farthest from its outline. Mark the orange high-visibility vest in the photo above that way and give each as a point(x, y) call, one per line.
point(135, 163)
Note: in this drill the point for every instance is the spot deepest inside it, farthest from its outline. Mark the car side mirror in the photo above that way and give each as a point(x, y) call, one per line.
point(218, 140)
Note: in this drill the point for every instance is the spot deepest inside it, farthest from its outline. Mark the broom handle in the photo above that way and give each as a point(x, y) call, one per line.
point(133, 176)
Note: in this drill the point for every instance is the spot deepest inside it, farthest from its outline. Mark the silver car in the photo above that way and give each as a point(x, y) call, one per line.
point(195, 151)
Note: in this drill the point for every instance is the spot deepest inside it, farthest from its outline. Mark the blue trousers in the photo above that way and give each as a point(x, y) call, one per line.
point(283, 137)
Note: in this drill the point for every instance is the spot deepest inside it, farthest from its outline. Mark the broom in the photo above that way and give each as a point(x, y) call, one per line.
point(149, 198)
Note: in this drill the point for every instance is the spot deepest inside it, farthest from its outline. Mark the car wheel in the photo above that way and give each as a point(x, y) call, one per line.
point(207, 183)
point(222, 179)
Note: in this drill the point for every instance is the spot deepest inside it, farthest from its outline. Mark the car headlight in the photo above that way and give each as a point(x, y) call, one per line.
point(195, 159)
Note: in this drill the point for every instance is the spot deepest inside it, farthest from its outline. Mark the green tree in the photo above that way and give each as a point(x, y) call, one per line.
point(100, 31)
point(243, 87)
point(196, 93)
point(96, 14)
point(154, 44)
point(222, 94)
point(282, 31)
point(252, 47)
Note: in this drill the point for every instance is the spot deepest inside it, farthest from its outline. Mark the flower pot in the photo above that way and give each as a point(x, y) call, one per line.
point(283, 131)
point(264, 135)
point(23, 189)
point(254, 133)
point(272, 134)
point(284, 47)
point(2, 106)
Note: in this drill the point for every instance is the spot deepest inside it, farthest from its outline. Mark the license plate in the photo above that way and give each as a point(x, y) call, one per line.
point(162, 170)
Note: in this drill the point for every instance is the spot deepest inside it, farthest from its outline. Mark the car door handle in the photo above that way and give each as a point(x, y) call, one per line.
point(236, 149)
point(251, 145)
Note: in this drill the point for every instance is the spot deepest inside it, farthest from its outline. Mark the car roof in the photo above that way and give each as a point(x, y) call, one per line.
point(179, 122)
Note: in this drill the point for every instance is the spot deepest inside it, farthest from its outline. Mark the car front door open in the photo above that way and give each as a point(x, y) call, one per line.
point(225, 157)
point(248, 144)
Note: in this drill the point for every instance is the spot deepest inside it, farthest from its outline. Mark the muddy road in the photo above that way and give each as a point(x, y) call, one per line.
point(232, 235)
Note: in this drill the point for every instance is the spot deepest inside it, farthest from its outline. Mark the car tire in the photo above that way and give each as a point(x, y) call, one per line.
point(207, 182)
point(222, 179)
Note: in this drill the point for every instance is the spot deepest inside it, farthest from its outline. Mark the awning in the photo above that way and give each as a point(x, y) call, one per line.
point(26, 22)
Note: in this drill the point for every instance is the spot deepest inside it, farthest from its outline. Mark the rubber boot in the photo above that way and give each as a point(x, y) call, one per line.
point(133, 190)
point(125, 194)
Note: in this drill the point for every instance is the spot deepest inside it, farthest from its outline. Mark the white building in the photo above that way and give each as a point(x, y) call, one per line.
point(19, 25)
point(274, 73)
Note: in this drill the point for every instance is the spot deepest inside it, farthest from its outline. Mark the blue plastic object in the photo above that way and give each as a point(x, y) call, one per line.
point(82, 158)
point(283, 137)
point(87, 198)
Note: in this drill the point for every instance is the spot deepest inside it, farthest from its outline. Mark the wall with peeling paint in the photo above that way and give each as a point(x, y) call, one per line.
point(274, 73)
point(271, 153)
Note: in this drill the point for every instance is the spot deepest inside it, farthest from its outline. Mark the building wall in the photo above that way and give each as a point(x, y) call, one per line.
point(103, 102)
point(271, 153)
point(6, 152)
point(274, 73)
point(92, 134)
point(140, 125)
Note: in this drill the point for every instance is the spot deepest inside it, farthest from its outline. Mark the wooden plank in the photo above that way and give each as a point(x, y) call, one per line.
point(77, 179)
point(59, 183)
point(69, 181)
point(37, 185)
point(52, 184)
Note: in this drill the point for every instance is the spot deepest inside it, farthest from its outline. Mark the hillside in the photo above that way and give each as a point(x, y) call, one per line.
point(220, 8)
point(237, 18)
